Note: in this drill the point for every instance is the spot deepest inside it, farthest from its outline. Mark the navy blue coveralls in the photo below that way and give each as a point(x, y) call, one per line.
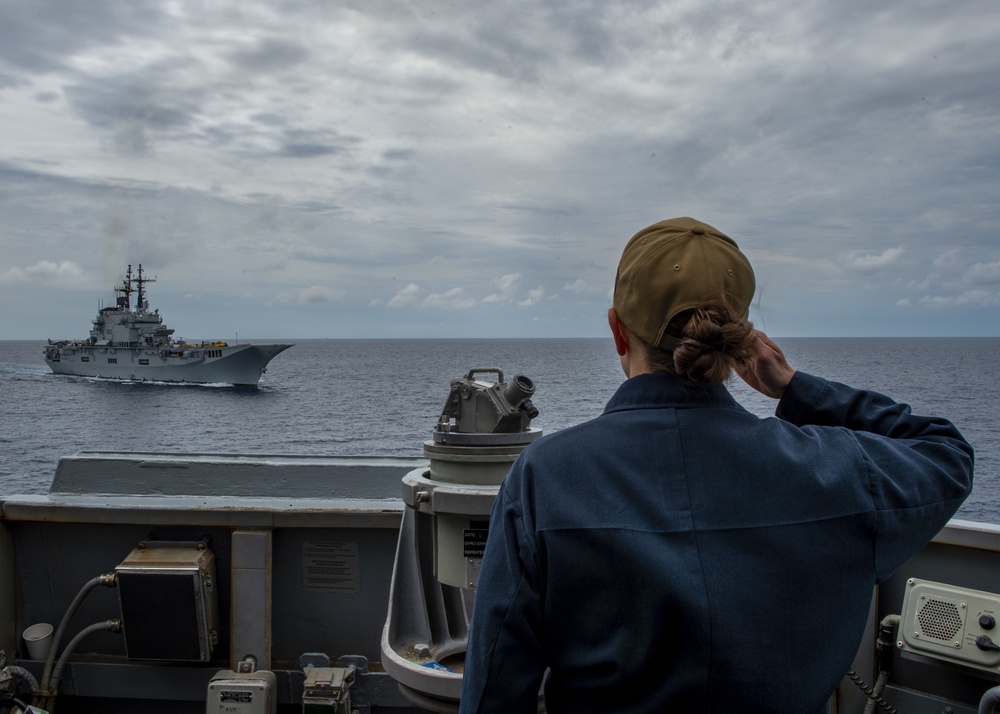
point(680, 554)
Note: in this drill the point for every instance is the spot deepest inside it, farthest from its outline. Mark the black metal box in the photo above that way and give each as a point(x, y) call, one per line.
point(168, 599)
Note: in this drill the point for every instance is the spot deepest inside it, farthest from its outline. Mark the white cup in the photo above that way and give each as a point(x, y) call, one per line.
point(38, 638)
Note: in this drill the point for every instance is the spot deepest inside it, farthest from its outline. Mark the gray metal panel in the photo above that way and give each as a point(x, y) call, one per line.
point(983, 536)
point(251, 598)
point(233, 512)
point(339, 615)
point(162, 474)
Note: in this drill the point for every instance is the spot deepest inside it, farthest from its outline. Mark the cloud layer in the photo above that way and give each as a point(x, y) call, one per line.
point(383, 169)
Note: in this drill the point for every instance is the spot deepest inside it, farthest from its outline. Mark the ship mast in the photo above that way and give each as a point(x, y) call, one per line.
point(139, 282)
point(126, 289)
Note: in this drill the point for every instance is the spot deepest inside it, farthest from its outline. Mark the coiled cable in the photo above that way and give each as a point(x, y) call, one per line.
point(870, 692)
point(885, 648)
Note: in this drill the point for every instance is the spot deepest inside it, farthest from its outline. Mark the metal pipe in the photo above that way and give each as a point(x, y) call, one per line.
point(24, 675)
point(113, 625)
point(108, 580)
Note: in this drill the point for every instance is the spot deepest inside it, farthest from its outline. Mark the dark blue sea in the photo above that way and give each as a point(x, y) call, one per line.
point(383, 397)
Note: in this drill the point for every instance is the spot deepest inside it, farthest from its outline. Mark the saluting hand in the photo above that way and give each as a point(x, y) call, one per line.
point(768, 372)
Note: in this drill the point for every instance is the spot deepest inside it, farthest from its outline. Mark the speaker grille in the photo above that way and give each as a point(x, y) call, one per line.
point(939, 619)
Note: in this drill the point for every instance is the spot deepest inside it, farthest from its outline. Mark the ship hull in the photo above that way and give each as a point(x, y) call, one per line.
point(236, 364)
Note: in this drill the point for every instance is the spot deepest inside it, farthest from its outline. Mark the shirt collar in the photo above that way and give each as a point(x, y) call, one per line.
point(659, 390)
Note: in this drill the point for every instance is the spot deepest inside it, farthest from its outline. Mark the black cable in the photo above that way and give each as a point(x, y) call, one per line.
point(11, 699)
point(869, 692)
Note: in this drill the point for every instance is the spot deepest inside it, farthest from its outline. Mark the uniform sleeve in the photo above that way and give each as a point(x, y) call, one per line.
point(919, 468)
point(505, 662)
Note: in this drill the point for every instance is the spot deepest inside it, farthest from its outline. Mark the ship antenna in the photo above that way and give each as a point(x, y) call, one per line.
point(127, 289)
point(139, 282)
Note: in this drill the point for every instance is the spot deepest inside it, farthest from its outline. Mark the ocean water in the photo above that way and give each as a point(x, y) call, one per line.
point(383, 397)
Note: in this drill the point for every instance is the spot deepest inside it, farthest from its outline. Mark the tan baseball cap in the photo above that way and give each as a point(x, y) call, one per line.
point(675, 265)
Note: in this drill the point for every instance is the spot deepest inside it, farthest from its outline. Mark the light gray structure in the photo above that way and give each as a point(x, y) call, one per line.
point(132, 343)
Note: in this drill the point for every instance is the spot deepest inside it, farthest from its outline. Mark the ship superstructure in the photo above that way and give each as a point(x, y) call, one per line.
point(128, 341)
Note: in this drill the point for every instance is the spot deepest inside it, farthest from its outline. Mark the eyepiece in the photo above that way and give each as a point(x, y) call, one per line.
point(519, 389)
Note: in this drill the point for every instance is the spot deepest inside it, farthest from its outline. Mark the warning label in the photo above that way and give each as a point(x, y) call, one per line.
point(229, 696)
point(475, 542)
point(329, 566)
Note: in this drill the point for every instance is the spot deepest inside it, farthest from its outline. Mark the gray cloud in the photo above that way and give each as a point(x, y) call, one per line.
point(43, 272)
point(873, 262)
point(270, 54)
point(985, 274)
point(42, 36)
point(453, 299)
point(318, 294)
point(300, 150)
point(438, 157)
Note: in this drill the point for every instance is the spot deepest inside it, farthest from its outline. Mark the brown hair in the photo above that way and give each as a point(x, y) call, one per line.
point(713, 342)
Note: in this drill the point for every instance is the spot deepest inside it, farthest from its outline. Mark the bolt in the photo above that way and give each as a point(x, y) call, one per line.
point(247, 665)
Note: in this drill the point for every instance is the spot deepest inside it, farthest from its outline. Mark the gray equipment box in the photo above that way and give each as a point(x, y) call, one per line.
point(951, 623)
point(232, 692)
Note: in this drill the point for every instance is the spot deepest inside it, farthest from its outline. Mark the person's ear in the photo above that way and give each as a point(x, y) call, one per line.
point(618, 332)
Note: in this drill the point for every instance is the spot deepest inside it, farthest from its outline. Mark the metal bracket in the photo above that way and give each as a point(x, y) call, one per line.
point(327, 689)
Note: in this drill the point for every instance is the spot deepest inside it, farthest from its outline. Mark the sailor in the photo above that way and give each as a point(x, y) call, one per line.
point(680, 554)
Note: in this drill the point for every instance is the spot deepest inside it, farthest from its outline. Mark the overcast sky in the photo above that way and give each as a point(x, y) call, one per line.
point(294, 169)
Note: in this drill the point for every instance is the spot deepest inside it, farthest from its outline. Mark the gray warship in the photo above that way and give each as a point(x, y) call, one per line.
point(132, 343)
